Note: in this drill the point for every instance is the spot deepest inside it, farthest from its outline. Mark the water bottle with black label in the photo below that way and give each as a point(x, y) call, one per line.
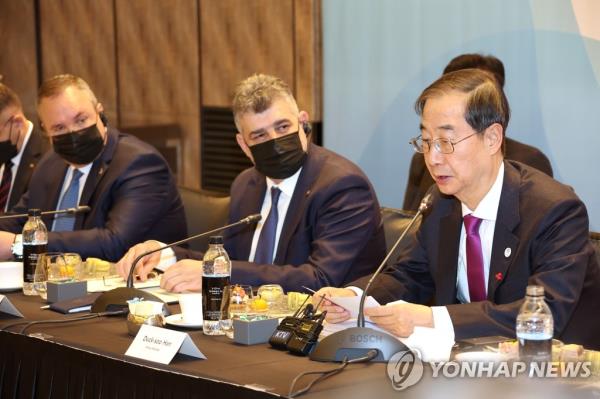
point(216, 271)
point(535, 327)
point(35, 242)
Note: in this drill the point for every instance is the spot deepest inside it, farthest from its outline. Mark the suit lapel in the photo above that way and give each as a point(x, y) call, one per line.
point(251, 204)
point(97, 172)
point(446, 272)
point(310, 171)
point(31, 155)
point(505, 242)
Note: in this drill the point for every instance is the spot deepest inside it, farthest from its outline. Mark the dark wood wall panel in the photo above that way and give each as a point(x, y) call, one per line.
point(158, 64)
point(18, 62)
point(307, 56)
point(78, 37)
point(239, 38)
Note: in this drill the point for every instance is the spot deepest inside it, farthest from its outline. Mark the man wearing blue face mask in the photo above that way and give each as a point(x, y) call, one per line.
point(320, 216)
point(125, 182)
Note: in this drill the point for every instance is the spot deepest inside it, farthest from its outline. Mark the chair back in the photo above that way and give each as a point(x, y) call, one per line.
point(204, 210)
point(395, 222)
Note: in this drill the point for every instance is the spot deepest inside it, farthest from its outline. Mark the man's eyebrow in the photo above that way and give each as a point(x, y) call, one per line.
point(277, 122)
point(79, 114)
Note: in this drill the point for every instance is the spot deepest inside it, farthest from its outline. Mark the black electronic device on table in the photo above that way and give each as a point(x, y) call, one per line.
point(306, 335)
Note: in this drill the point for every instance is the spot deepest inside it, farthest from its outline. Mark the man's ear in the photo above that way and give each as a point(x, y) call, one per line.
point(494, 135)
point(242, 143)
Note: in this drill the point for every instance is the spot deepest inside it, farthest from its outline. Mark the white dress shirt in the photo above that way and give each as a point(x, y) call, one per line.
point(16, 160)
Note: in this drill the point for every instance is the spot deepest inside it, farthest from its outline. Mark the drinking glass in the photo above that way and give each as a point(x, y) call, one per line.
point(236, 302)
point(56, 267)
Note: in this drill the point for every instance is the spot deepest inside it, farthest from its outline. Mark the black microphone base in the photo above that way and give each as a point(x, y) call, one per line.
point(117, 298)
point(355, 342)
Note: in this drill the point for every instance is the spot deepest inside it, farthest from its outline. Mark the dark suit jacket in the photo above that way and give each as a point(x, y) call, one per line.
point(544, 224)
point(35, 148)
point(419, 178)
point(131, 192)
point(332, 233)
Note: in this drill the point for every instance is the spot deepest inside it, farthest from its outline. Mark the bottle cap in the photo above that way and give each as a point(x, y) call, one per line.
point(535, 290)
point(34, 212)
point(215, 240)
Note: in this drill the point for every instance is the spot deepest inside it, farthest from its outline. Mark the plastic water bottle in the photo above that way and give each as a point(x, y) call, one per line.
point(216, 272)
point(35, 242)
point(535, 327)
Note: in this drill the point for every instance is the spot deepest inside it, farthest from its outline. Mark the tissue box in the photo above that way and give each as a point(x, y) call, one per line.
point(64, 291)
point(253, 332)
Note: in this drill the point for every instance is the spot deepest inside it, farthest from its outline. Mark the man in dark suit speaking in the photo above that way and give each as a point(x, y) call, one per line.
point(125, 182)
point(321, 223)
point(495, 227)
point(21, 147)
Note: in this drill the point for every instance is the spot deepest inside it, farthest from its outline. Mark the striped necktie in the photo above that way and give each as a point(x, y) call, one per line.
point(5, 185)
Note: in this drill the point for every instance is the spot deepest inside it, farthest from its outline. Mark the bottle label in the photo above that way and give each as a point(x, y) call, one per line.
point(31, 254)
point(212, 296)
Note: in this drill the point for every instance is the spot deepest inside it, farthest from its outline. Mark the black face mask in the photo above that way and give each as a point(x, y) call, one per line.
point(8, 151)
point(279, 158)
point(80, 147)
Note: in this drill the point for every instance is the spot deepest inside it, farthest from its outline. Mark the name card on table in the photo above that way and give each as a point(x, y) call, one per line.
point(160, 345)
point(7, 307)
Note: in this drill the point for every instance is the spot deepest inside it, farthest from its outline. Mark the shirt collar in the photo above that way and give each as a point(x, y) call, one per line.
point(17, 158)
point(84, 169)
point(488, 207)
point(286, 186)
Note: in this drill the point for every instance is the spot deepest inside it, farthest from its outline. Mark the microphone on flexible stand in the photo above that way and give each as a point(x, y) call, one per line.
point(117, 298)
point(356, 342)
point(69, 211)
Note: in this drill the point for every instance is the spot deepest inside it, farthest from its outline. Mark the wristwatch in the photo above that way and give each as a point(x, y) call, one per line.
point(17, 246)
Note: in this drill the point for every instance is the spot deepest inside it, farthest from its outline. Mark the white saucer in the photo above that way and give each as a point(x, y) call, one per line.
point(177, 321)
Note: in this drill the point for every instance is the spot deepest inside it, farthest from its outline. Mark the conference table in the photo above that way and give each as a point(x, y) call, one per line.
point(87, 359)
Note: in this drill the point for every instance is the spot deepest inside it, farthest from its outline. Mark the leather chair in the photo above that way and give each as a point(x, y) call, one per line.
point(204, 210)
point(394, 223)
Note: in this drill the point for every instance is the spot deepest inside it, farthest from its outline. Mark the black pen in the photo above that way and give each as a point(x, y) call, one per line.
point(324, 297)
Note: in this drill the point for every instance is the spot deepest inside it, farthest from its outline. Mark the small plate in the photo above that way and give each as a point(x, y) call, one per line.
point(177, 321)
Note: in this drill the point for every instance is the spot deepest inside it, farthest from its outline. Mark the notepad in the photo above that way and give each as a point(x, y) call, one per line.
point(75, 305)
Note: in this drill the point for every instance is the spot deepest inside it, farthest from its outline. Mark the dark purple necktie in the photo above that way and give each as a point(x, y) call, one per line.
point(5, 185)
point(266, 241)
point(475, 273)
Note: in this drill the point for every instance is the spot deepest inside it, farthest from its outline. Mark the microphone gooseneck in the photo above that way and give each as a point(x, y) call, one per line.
point(117, 298)
point(423, 206)
point(359, 342)
point(247, 220)
point(70, 211)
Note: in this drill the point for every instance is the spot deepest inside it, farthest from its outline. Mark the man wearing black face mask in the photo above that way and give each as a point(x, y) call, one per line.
point(125, 182)
point(320, 216)
point(21, 147)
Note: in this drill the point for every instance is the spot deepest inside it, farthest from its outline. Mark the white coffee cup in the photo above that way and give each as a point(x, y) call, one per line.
point(11, 275)
point(191, 307)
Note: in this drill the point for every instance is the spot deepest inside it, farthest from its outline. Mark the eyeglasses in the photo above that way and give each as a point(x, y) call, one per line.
point(444, 146)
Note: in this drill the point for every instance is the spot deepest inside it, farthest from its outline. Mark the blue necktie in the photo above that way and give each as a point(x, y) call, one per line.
point(266, 241)
point(69, 200)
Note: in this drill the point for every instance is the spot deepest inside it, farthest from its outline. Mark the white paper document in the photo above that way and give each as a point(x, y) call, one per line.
point(109, 283)
point(431, 344)
point(352, 303)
